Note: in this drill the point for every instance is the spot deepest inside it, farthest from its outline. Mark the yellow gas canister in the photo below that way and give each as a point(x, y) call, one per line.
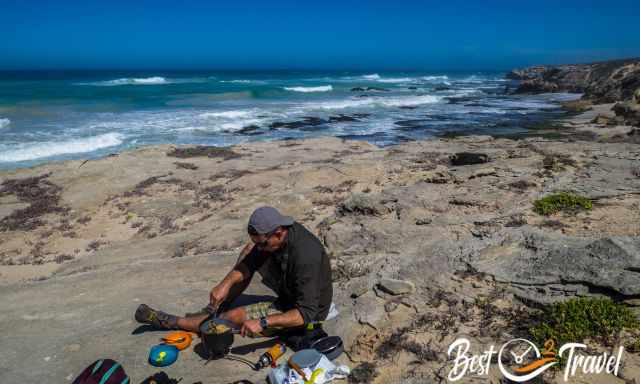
point(270, 357)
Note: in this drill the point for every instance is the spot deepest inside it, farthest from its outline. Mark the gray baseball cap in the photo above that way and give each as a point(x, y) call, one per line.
point(267, 219)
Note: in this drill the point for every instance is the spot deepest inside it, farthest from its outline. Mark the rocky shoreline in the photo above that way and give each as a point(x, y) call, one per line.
point(429, 240)
point(616, 81)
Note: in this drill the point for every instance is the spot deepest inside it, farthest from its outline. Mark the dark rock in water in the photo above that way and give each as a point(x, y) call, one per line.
point(311, 120)
point(368, 89)
point(441, 88)
point(468, 158)
point(603, 82)
point(277, 124)
point(305, 122)
point(458, 100)
point(411, 123)
point(342, 119)
point(249, 129)
point(413, 88)
point(407, 107)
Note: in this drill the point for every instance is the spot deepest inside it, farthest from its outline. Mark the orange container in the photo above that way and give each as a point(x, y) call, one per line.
point(179, 339)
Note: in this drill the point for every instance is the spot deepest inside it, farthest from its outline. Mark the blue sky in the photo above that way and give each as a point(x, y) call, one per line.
point(326, 34)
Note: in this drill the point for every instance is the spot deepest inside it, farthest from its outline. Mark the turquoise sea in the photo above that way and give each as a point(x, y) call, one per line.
point(46, 116)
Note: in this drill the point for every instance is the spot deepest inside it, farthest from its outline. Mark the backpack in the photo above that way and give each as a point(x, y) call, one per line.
point(105, 371)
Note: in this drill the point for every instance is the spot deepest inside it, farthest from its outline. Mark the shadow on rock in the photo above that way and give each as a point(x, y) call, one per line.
point(144, 329)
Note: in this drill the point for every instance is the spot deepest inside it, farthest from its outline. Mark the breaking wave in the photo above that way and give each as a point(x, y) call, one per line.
point(48, 149)
point(394, 80)
point(4, 123)
point(375, 102)
point(227, 114)
point(155, 80)
point(322, 88)
point(435, 78)
point(243, 81)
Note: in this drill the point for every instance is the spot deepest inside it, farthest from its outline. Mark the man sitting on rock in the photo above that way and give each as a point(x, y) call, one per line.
point(292, 262)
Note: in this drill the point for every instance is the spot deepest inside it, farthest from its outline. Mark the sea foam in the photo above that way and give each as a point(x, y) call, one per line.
point(435, 78)
point(322, 88)
point(233, 120)
point(394, 80)
point(4, 123)
point(154, 80)
point(243, 81)
point(236, 114)
point(375, 102)
point(48, 149)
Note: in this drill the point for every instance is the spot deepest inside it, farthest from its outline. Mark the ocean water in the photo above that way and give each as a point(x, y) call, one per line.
point(48, 116)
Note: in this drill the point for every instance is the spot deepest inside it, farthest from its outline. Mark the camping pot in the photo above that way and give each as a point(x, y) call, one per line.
point(217, 336)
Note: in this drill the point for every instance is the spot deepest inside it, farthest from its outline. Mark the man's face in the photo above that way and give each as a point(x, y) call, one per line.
point(270, 242)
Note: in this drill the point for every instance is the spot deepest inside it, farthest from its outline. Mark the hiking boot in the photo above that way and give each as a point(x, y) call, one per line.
point(158, 319)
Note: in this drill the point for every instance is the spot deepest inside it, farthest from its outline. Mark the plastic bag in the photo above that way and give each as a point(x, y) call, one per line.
point(323, 372)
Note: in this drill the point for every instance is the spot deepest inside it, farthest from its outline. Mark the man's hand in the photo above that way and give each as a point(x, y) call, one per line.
point(251, 328)
point(218, 295)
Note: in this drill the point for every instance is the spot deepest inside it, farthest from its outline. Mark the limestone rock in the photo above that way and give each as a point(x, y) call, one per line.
point(577, 106)
point(601, 119)
point(362, 204)
point(533, 261)
point(440, 175)
point(369, 310)
point(359, 288)
point(489, 171)
point(629, 112)
point(397, 287)
point(602, 82)
point(536, 86)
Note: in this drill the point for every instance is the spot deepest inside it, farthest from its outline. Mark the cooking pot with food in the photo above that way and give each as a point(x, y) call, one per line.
point(217, 336)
